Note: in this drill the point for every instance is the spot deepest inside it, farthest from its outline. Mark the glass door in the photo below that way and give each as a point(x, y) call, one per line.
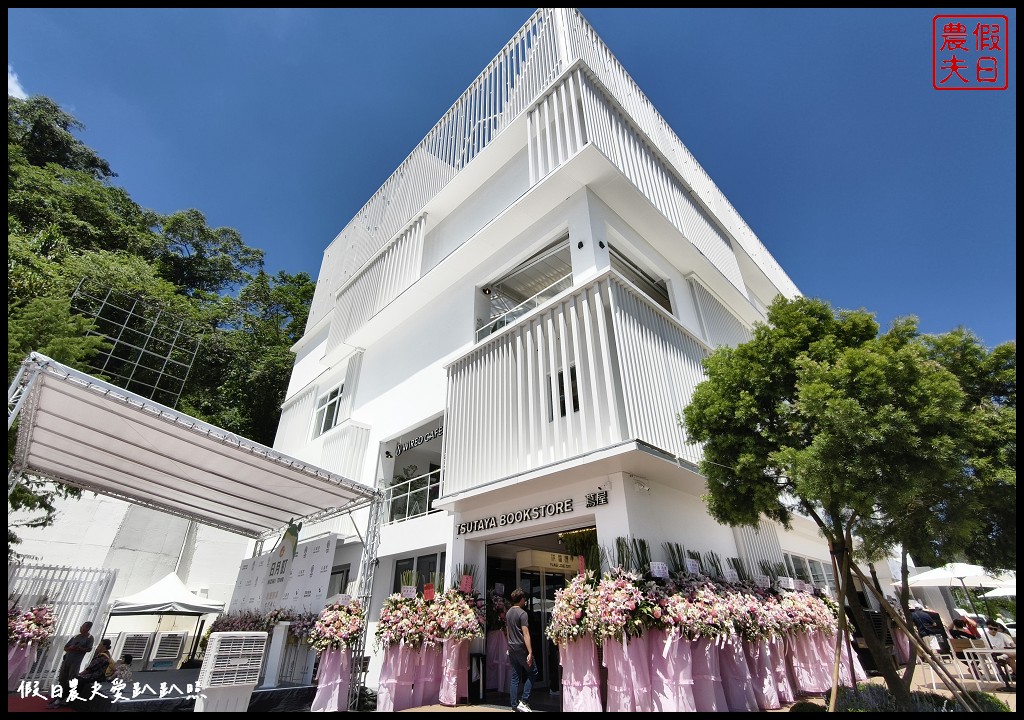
point(540, 587)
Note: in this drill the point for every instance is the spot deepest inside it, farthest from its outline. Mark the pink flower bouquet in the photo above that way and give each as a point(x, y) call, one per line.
point(572, 615)
point(337, 626)
point(34, 626)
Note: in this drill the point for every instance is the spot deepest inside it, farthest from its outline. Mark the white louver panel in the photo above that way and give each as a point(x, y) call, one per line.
point(613, 133)
point(293, 429)
point(345, 450)
point(555, 127)
point(379, 282)
point(720, 326)
point(661, 365)
point(232, 658)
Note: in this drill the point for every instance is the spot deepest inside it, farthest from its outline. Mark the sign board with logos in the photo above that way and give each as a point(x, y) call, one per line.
point(659, 569)
point(731, 575)
point(692, 566)
point(409, 592)
point(428, 591)
point(274, 580)
point(763, 581)
point(786, 582)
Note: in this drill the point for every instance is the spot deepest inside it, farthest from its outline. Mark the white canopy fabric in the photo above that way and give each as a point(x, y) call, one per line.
point(962, 575)
point(1002, 592)
point(90, 434)
point(167, 596)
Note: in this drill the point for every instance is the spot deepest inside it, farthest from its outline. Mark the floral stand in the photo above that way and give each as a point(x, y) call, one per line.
point(581, 676)
point(498, 668)
point(333, 681)
point(454, 672)
point(708, 693)
point(671, 672)
point(20, 659)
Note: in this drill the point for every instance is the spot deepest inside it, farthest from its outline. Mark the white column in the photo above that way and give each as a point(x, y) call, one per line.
point(275, 657)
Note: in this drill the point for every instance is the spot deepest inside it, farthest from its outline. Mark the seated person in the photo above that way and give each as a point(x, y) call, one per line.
point(100, 668)
point(123, 669)
point(1001, 641)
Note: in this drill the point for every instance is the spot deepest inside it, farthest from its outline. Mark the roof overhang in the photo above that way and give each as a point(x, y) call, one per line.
point(81, 431)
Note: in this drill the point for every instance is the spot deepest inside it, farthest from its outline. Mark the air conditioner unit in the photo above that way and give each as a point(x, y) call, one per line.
point(135, 644)
point(230, 671)
point(168, 650)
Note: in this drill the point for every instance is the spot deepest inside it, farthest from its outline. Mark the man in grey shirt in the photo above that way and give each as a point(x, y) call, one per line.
point(520, 652)
point(75, 651)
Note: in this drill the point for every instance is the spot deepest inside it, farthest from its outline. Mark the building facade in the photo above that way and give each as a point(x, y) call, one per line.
point(503, 338)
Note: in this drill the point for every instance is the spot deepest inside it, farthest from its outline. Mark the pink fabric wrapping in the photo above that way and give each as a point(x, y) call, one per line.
point(805, 664)
point(783, 684)
point(397, 674)
point(902, 644)
point(19, 662)
point(850, 669)
point(498, 667)
point(671, 673)
point(428, 676)
point(759, 660)
point(581, 676)
point(824, 658)
point(454, 672)
point(708, 693)
point(386, 683)
point(419, 678)
point(333, 681)
point(736, 679)
point(629, 679)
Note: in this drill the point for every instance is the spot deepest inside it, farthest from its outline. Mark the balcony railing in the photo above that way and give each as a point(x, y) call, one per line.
point(497, 323)
point(413, 497)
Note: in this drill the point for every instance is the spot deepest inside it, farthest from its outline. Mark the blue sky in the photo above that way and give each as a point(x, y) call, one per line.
point(871, 188)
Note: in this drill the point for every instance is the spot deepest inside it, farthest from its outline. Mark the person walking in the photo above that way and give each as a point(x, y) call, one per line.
point(75, 651)
point(520, 652)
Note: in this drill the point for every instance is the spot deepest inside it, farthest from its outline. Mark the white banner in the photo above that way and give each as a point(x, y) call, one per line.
point(274, 580)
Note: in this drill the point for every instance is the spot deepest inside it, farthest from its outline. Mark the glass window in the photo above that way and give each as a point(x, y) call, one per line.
point(655, 288)
point(574, 394)
point(327, 410)
point(424, 566)
point(339, 580)
point(401, 566)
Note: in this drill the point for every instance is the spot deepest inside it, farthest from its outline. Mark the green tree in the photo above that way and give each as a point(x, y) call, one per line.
point(867, 434)
point(70, 228)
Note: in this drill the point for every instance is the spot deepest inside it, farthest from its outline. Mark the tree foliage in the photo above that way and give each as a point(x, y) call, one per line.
point(899, 440)
point(70, 228)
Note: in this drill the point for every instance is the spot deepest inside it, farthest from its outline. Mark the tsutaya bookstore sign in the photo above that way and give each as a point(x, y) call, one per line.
point(274, 580)
point(536, 512)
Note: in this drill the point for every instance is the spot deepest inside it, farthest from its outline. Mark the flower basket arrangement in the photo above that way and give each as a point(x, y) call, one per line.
point(35, 626)
point(338, 626)
point(619, 605)
point(497, 606)
point(402, 620)
point(458, 616)
point(573, 615)
point(302, 625)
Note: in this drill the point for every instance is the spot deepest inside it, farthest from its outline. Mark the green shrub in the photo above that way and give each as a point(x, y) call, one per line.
point(872, 697)
point(987, 701)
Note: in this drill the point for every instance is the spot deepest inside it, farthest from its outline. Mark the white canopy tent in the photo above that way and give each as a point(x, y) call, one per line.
point(167, 596)
point(81, 431)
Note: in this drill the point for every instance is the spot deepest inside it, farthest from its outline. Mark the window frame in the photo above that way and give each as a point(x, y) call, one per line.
point(328, 406)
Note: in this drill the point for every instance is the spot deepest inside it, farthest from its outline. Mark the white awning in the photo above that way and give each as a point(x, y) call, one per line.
point(167, 596)
point(90, 434)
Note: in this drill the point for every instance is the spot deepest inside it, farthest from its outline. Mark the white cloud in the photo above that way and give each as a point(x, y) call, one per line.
point(13, 86)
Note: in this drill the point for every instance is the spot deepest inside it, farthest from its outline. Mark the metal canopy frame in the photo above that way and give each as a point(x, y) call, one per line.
point(84, 432)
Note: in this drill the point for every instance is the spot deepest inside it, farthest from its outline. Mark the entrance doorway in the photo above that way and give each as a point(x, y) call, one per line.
point(541, 566)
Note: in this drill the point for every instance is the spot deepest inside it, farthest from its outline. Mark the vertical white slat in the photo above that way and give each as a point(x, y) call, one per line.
point(588, 408)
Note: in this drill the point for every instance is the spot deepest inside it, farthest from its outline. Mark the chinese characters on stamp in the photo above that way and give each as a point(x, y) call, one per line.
point(970, 52)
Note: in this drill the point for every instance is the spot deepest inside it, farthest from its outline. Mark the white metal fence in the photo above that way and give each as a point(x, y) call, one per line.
point(77, 595)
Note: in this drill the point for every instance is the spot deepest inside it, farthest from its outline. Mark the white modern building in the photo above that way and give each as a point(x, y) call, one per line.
point(503, 337)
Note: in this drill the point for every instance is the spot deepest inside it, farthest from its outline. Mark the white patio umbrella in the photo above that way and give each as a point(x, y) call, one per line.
point(964, 575)
point(1001, 592)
